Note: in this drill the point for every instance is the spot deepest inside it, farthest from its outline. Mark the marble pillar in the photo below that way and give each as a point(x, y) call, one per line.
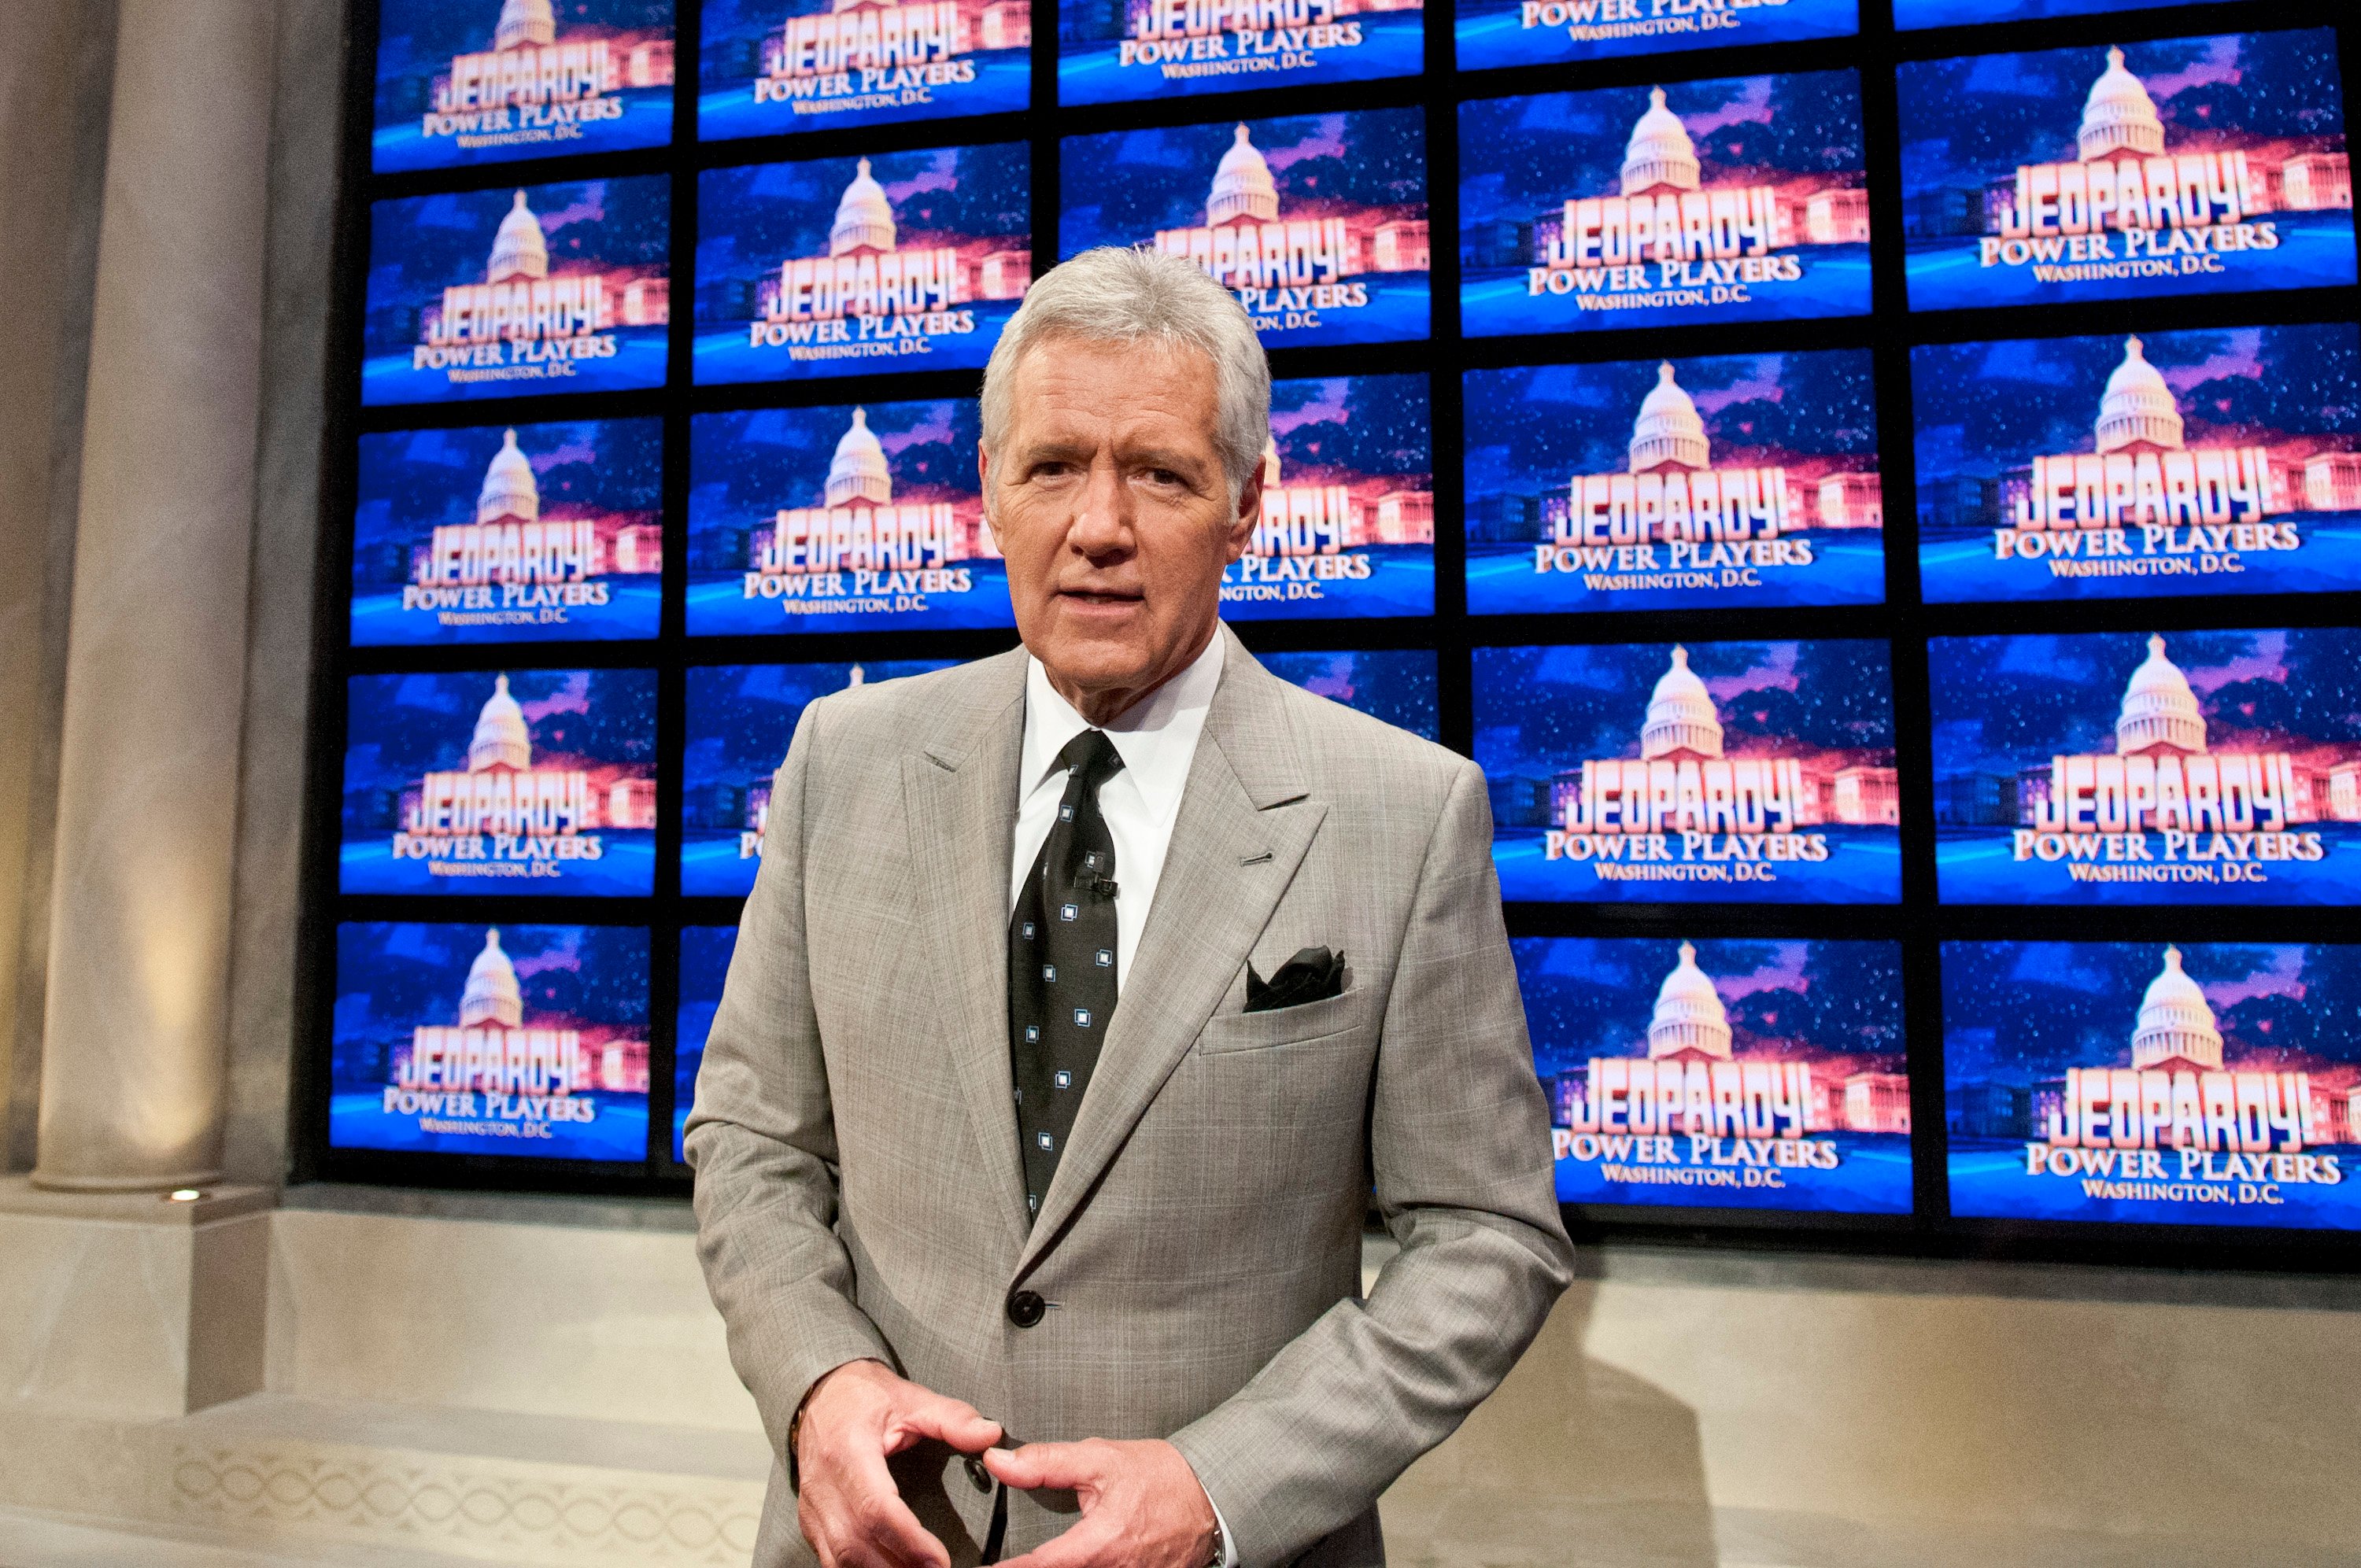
point(137, 1005)
point(53, 100)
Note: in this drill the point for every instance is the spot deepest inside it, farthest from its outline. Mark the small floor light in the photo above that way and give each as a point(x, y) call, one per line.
point(183, 1195)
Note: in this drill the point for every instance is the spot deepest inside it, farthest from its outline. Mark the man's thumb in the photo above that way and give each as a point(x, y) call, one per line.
point(1057, 1464)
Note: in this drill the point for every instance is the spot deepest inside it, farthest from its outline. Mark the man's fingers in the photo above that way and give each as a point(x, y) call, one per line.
point(877, 1527)
point(1065, 1465)
point(952, 1421)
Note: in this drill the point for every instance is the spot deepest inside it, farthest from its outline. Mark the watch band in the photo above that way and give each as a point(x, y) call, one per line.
point(1220, 1546)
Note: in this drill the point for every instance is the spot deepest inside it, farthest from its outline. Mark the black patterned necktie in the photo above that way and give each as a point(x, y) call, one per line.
point(1061, 941)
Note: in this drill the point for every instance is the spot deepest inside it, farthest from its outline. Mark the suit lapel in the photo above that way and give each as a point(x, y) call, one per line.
point(1245, 822)
point(960, 790)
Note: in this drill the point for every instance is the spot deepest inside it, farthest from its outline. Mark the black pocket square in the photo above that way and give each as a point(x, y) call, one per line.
point(1313, 974)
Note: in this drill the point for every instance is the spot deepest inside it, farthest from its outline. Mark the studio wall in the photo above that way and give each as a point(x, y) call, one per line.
point(1878, 490)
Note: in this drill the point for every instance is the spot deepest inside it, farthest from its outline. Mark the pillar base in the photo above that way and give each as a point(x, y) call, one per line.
point(43, 1181)
point(131, 1306)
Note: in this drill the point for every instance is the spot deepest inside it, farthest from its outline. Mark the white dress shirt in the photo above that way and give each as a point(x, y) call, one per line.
point(1156, 739)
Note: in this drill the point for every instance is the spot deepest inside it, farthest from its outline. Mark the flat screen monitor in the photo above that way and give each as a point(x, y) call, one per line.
point(510, 1039)
point(1723, 482)
point(2117, 768)
point(1317, 222)
point(2153, 1082)
point(1722, 1073)
point(1726, 772)
point(465, 83)
point(2181, 166)
point(517, 291)
point(540, 532)
point(519, 783)
point(1740, 199)
point(861, 265)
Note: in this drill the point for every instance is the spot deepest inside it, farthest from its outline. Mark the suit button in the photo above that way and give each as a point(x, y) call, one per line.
point(977, 1474)
point(1026, 1307)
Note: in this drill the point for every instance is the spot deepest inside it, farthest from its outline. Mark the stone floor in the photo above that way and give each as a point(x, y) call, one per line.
point(1677, 1412)
point(29, 1541)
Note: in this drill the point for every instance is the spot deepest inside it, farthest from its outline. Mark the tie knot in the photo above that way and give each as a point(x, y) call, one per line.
point(1091, 758)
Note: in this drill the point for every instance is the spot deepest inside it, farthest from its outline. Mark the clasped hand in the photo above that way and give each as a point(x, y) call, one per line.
point(1141, 1504)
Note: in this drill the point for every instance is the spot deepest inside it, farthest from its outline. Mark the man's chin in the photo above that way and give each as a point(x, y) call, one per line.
point(1100, 647)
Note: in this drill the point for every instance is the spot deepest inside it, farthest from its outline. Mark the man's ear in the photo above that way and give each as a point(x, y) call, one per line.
point(984, 484)
point(1242, 527)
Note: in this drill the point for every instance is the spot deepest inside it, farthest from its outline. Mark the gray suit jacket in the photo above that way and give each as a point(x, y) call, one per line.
point(858, 1190)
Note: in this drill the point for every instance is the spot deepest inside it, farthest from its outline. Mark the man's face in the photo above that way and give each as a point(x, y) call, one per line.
point(1109, 501)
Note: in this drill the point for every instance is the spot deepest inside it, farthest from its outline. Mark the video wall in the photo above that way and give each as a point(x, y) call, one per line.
point(1883, 507)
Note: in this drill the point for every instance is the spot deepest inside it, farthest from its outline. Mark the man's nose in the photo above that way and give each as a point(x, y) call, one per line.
point(1104, 524)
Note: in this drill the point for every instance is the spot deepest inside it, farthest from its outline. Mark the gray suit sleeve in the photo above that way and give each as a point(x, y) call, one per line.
point(1459, 1145)
point(762, 1139)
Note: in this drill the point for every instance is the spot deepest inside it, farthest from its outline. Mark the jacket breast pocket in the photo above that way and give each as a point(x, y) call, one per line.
point(1323, 1019)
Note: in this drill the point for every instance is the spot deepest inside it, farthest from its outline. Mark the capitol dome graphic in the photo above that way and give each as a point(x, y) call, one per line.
point(2160, 711)
point(1669, 432)
point(1690, 1021)
point(864, 218)
point(2119, 116)
point(1660, 155)
point(2137, 408)
point(1681, 716)
point(524, 22)
point(1243, 187)
point(519, 249)
point(2176, 1022)
point(501, 738)
point(858, 472)
point(510, 489)
point(492, 995)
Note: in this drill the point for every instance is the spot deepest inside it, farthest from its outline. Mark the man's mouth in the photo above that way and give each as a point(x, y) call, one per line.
point(1110, 597)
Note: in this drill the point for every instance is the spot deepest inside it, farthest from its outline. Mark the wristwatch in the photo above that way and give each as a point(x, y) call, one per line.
point(1220, 1546)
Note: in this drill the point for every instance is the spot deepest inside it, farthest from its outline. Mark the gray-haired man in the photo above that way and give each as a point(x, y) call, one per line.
point(1085, 995)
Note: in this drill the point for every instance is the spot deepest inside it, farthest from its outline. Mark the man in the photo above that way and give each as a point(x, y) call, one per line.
point(1086, 994)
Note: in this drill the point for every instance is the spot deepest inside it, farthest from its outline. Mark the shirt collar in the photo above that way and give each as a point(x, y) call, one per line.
point(1155, 737)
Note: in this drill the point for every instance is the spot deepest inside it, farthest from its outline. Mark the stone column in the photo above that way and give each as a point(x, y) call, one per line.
point(135, 1038)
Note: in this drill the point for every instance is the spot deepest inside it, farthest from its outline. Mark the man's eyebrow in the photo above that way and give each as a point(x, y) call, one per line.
point(1049, 449)
point(1165, 457)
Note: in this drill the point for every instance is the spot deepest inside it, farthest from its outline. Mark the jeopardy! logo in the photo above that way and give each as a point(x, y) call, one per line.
point(1694, 1112)
point(511, 567)
point(859, 549)
point(867, 298)
point(502, 817)
point(522, 323)
point(495, 1074)
point(1718, 527)
point(1286, 272)
point(1311, 535)
point(532, 86)
point(2145, 503)
point(1734, 818)
point(1182, 38)
point(2170, 213)
point(2180, 1124)
point(1667, 239)
point(2163, 808)
point(856, 56)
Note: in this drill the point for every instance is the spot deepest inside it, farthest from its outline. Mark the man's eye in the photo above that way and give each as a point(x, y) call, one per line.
point(1163, 477)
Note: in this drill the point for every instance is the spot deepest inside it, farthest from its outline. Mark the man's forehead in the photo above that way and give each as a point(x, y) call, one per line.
point(1064, 392)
